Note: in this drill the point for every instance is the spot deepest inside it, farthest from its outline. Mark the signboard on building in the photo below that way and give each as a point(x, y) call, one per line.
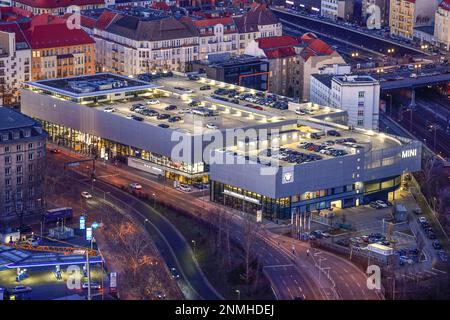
point(82, 223)
point(89, 234)
point(113, 281)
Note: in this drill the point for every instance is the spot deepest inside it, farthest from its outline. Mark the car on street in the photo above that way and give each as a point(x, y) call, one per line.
point(374, 205)
point(21, 289)
point(381, 203)
point(442, 255)
point(135, 186)
point(109, 109)
point(94, 285)
point(422, 220)
point(175, 274)
point(159, 295)
point(417, 210)
point(55, 150)
point(163, 125)
point(138, 118)
point(185, 188)
point(33, 242)
point(203, 88)
point(86, 195)
point(437, 245)
point(211, 126)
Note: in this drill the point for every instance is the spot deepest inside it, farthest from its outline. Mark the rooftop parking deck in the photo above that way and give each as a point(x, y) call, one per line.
point(308, 142)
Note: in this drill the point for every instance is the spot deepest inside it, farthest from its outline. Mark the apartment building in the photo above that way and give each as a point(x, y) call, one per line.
point(360, 97)
point(258, 22)
point(131, 44)
point(15, 67)
point(22, 165)
point(442, 25)
point(216, 36)
point(313, 54)
point(292, 61)
point(58, 51)
point(280, 53)
point(405, 15)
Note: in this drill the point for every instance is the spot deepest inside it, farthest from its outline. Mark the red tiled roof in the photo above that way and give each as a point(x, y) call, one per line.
point(14, 11)
point(160, 6)
point(14, 27)
point(59, 3)
point(276, 42)
point(54, 33)
point(45, 19)
point(105, 19)
point(213, 22)
point(445, 5)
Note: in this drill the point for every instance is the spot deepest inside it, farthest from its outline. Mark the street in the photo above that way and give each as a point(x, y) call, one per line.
point(306, 283)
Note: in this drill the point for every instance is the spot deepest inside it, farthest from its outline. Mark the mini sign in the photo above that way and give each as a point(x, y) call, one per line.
point(409, 153)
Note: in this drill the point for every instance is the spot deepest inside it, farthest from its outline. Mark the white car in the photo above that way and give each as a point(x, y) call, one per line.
point(86, 195)
point(94, 285)
point(153, 101)
point(109, 109)
point(211, 126)
point(135, 186)
point(33, 242)
point(422, 219)
point(300, 112)
point(382, 204)
point(129, 116)
point(185, 188)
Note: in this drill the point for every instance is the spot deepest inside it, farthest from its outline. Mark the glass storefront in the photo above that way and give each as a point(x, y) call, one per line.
point(91, 145)
point(250, 202)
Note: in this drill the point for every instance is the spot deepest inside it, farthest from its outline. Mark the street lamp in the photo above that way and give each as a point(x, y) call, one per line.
point(194, 245)
point(379, 72)
point(434, 127)
point(390, 104)
point(238, 294)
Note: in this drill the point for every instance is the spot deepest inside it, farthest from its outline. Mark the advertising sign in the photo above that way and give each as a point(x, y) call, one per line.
point(82, 223)
point(89, 234)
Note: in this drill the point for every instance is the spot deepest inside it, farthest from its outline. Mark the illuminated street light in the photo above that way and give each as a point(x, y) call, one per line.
point(238, 294)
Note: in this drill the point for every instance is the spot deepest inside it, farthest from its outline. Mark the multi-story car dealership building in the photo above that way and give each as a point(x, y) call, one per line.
point(315, 159)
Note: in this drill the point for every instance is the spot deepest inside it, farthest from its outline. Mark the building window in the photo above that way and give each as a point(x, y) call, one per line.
point(361, 94)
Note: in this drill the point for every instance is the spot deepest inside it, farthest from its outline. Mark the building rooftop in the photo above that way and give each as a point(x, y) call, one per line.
point(91, 85)
point(181, 92)
point(325, 79)
point(11, 119)
point(354, 79)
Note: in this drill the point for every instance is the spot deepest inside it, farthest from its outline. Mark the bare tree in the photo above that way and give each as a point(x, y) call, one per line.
point(251, 230)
